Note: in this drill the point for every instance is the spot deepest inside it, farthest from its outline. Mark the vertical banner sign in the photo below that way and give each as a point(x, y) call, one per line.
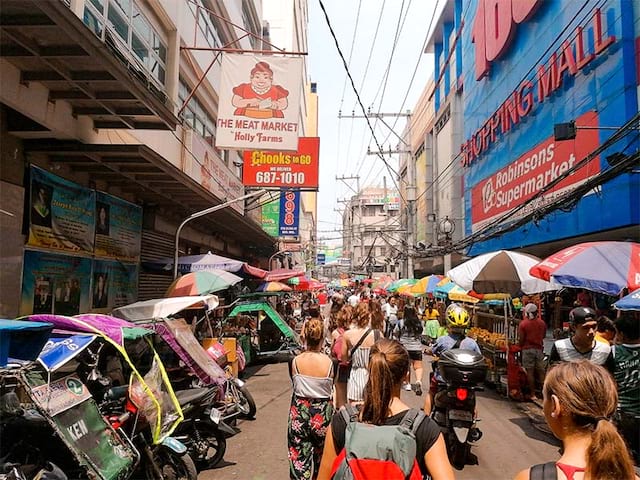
point(259, 102)
point(114, 284)
point(118, 228)
point(271, 218)
point(61, 213)
point(289, 213)
point(55, 284)
point(297, 169)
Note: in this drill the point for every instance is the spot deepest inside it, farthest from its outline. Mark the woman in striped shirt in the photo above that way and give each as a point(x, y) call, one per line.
point(410, 332)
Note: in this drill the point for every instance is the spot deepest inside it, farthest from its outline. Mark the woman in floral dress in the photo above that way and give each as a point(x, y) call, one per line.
point(311, 404)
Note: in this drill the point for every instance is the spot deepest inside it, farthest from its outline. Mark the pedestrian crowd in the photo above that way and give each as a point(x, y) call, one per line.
point(368, 348)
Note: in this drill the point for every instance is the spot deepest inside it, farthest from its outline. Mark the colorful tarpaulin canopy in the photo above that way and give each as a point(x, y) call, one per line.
point(202, 283)
point(282, 274)
point(630, 302)
point(605, 267)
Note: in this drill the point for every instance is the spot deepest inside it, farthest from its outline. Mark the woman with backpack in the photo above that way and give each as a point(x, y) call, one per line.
point(358, 340)
point(410, 335)
point(385, 421)
point(579, 401)
point(342, 319)
point(311, 404)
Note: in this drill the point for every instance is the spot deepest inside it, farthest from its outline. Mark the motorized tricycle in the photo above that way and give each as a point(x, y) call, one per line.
point(122, 356)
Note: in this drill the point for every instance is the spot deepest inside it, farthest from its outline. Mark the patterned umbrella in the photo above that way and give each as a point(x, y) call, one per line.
point(394, 286)
point(426, 285)
point(605, 267)
point(202, 283)
point(273, 287)
point(448, 288)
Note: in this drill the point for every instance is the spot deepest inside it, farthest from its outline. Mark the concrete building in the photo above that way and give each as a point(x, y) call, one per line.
point(92, 92)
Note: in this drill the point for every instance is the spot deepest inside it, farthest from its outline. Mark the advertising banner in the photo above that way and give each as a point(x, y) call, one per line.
point(61, 213)
point(118, 228)
point(271, 218)
point(61, 348)
point(289, 213)
point(114, 284)
point(421, 201)
point(283, 169)
point(207, 168)
point(321, 259)
point(259, 102)
point(54, 283)
point(61, 395)
point(516, 183)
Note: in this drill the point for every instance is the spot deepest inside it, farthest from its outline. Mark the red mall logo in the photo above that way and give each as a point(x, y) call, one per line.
point(495, 26)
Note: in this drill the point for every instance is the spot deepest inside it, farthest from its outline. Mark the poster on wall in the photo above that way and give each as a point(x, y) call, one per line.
point(259, 102)
point(289, 213)
point(297, 169)
point(114, 284)
point(118, 228)
point(61, 213)
point(271, 217)
point(53, 283)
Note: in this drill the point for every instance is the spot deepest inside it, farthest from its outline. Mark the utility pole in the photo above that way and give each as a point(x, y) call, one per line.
point(350, 206)
point(386, 222)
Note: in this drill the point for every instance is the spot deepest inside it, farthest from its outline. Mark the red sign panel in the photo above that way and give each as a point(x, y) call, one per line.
point(268, 168)
point(516, 183)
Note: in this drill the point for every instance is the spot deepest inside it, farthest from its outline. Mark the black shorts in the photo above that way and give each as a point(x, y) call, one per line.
point(343, 373)
point(415, 354)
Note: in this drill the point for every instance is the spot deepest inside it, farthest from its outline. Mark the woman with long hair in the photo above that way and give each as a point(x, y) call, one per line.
point(311, 404)
point(377, 317)
point(579, 400)
point(342, 319)
point(358, 340)
point(410, 334)
point(388, 368)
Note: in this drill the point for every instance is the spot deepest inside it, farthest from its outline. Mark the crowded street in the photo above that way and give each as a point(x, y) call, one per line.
point(319, 240)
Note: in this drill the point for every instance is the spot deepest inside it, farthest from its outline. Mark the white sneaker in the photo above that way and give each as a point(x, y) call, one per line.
point(407, 387)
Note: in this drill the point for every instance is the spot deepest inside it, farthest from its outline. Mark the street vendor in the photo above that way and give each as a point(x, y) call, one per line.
point(432, 322)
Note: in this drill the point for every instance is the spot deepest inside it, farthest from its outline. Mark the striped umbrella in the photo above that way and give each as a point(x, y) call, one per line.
point(202, 283)
point(394, 286)
point(426, 285)
point(273, 287)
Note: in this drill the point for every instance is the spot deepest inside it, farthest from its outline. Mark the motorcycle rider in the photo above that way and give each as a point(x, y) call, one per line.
point(458, 321)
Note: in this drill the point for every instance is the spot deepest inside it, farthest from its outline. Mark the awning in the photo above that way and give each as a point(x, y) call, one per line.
point(139, 170)
point(163, 307)
point(50, 45)
point(282, 274)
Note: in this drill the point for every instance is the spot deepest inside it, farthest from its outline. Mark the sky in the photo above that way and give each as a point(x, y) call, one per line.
point(382, 75)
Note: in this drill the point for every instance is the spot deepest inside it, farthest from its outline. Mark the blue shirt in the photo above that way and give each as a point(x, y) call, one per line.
point(447, 343)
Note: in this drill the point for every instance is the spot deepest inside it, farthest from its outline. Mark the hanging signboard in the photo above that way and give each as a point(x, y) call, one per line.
point(271, 217)
point(55, 283)
point(297, 169)
point(289, 213)
point(259, 102)
point(118, 228)
point(61, 213)
point(61, 395)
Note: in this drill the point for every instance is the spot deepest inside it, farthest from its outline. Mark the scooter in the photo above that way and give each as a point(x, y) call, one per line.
point(455, 402)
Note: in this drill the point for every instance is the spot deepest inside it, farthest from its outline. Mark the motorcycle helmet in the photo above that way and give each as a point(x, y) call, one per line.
point(457, 316)
point(580, 315)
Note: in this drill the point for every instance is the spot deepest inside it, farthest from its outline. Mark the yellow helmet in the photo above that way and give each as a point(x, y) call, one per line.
point(457, 316)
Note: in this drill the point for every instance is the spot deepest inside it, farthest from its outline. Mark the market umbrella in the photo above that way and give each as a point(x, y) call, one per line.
point(405, 291)
point(630, 302)
point(605, 267)
point(273, 287)
point(202, 283)
point(449, 289)
point(499, 272)
point(394, 286)
point(426, 285)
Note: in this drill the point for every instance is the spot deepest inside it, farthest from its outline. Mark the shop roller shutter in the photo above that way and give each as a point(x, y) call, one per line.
point(155, 245)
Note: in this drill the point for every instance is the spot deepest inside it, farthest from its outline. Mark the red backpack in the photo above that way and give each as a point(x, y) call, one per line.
point(378, 451)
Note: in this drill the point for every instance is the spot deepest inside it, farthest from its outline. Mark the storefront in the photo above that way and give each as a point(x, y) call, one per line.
point(526, 70)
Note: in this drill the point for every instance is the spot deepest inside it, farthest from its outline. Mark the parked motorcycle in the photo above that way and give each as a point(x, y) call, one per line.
point(454, 410)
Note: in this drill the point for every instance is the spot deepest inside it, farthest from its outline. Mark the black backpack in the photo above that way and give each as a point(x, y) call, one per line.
point(543, 471)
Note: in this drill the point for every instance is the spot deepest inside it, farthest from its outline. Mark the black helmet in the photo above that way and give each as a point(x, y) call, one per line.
point(582, 314)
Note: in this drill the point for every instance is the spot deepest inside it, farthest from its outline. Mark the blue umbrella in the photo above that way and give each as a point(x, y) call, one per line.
point(630, 302)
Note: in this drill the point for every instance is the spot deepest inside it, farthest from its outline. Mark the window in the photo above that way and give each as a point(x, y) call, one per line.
point(132, 29)
point(196, 116)
point(207, 25)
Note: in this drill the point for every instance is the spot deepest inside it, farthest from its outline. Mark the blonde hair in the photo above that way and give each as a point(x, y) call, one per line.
point(587, 393)
point(344, 315)
point(314, 332)
point(361, 315)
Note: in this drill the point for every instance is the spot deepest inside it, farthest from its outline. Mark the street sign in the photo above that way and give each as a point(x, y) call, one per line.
point(320, 259)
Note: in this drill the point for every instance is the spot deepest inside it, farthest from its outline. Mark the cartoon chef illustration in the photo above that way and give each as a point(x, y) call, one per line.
point(260, 98)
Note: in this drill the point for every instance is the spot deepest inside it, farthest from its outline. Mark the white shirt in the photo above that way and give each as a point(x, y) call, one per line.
point(390, 310)
point(354, 300)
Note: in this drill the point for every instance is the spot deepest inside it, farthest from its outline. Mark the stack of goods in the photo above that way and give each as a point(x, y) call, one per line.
point(486, 338)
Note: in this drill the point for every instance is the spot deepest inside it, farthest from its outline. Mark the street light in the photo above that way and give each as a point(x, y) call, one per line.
point(446, 227)
point(201, 213)
point(276, 254)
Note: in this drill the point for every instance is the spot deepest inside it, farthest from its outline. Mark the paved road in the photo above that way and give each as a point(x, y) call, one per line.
point(510, 442)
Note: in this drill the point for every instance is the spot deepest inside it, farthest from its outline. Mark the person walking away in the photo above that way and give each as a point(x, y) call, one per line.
point(432, 324)
point(354, 299)
point(579, 399)
point(311, 404)
point(410, 334)
point(605, 331)
point(391, 316)
point(582, 344)
point(531, 333)
point(343, 321)
point(626, 368)
point(377, 317)
point(383, 408)
point(358, 340)
point(458, 321)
